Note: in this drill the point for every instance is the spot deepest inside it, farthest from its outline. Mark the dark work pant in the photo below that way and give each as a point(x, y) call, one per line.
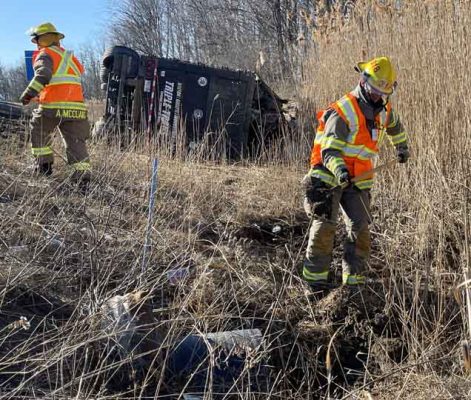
point(75, 132)
point(322, 205)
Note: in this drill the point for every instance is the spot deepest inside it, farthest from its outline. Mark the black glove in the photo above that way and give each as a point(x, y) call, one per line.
point(344, 177)
point(26, 98)
point(402, 155)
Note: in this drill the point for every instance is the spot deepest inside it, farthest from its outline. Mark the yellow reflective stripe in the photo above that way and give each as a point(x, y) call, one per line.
point(315, 276)
point(393, 120)
point(56, 50)
point(358, 151)
point(59, 79)
point(387, 119)
point(349, 279)
point(368, 153)
point(365, 184)
point(319, 137)
point(71, 64)
point(325, 177)
point(35, 85)
point(332, 143)
point(335, 163)
point(381, 136)
point(399, 138)
point(383, 117)
point(41, 151)
point(64, 82)
point(75, 68)
point(352, 118)
point(81, 166)
point(66, 62)
point(67, 105)
point(62, 68)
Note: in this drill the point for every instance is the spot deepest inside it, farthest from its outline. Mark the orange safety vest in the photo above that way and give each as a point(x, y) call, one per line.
point(360, 147)
point(64, 91)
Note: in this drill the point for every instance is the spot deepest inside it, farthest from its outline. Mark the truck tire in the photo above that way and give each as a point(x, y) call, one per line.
point(119, 51)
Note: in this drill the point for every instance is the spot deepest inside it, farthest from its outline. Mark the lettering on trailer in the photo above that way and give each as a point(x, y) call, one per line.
point(176, 117)
point(165, 108)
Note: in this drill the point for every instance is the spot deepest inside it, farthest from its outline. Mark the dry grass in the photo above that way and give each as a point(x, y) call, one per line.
point(422, 208)
point(63, 255)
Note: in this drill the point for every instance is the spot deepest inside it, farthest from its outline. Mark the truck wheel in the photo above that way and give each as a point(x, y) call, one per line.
point(115, 52)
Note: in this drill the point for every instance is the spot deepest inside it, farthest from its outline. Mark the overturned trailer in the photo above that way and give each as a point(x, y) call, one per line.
point(189, 105)
point(13, 119)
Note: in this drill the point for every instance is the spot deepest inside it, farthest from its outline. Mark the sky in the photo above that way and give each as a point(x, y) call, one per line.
point(81, 21)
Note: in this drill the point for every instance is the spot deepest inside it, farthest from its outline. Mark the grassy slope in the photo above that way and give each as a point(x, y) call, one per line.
point(217, 220)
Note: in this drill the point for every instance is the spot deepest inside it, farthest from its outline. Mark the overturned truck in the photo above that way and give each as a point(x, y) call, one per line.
point(189, 106)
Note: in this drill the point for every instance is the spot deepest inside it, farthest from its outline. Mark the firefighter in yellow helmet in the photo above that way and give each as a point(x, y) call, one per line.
point(347, 139)
point(58, 87)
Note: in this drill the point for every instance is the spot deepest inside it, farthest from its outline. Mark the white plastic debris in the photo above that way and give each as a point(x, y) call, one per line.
point(19, 249)
point(175, 276)
point(21, 323)
point(117, 320)
point(54, 243)
point(246, 339)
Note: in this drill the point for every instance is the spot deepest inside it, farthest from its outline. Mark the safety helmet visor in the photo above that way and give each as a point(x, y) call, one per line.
point(371, 87)
point(374, 94)
point(381, 86)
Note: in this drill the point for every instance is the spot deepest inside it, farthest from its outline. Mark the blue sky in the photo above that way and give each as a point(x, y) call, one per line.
point(81, 21)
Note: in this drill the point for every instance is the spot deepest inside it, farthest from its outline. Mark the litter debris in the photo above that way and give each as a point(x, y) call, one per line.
point(227, 359)
point(5, 199)
point(54, 243)
point(21, 323)
point(245, 339)
point(19, 249)
point(175, 276)
point(128, 322)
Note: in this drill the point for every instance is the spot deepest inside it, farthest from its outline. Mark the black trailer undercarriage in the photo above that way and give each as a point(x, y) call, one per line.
point(175, 103)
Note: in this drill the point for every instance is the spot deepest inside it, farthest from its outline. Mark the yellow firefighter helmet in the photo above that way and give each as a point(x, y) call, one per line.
point(379, 73)
point(42, 29)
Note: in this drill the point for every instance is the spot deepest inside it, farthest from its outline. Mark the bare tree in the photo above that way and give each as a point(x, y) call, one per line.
point(12, 82)
point(232, 33)
point(138, 24)
point(90, 56)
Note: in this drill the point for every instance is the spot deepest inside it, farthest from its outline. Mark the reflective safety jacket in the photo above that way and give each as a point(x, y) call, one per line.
point(357, 150)
point(64, 90)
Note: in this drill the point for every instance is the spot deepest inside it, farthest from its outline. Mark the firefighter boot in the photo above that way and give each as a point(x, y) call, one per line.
point(44, 169)
point(82, 180)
